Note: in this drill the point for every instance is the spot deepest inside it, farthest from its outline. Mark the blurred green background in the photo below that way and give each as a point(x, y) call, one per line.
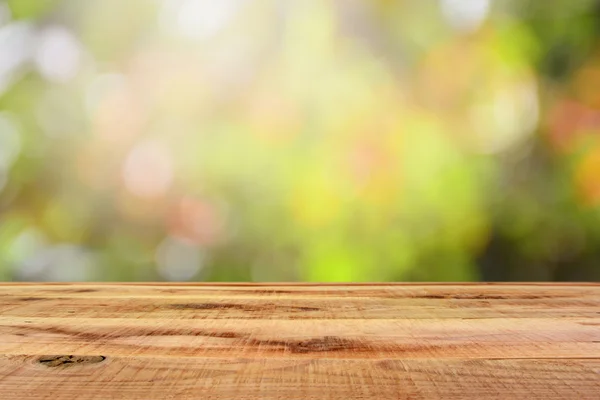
point(300, 140)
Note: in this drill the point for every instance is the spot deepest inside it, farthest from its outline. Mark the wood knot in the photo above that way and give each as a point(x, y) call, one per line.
point(69, 360)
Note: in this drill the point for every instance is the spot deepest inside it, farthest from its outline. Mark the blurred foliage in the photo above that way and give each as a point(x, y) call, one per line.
point(347, 140)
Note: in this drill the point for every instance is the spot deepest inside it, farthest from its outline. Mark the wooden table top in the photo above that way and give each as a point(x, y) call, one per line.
point(299, 341)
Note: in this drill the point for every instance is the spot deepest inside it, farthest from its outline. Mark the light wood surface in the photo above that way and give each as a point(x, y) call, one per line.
point(299, 341)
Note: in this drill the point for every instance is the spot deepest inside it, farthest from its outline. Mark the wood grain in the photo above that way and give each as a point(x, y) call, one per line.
point(299, 341)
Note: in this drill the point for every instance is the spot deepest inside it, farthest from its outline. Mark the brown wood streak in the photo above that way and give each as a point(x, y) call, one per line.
point(271, 341)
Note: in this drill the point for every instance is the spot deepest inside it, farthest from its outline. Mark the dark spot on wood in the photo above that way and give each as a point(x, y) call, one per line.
point(241, 307)
point(431, 296)
point(319, 293)
point(208, 306)
point(390, 365)
point(467, 296)
point(326, 343)
point(83, 290)
point(315, 345)
point(307, 308)
point(32, 298)
point(275, 291)
point(69, 360)
point(227, 335)
point(462, 297)
point(280, 308)
point(481, 297)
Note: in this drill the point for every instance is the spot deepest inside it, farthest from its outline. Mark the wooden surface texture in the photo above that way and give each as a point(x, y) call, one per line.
point(299, 341)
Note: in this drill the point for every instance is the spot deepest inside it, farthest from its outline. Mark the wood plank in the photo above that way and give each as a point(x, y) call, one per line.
point(320, 302)
point(270, 341)
point(142, 377)
point(352, 338)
